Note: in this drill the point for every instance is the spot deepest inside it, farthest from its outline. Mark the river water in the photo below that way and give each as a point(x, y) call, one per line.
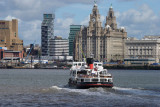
point(48, 88)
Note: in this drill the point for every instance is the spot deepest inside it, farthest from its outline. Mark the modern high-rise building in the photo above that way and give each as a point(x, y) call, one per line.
point(9, 35)
point(59, 46)
point(102, 43)
point(74, 29)
point(47, 32)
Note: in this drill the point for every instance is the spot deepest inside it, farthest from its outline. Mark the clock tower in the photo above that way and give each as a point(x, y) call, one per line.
point(94, 33)
point(111, 19)
point(101, 43)
point(95, 25)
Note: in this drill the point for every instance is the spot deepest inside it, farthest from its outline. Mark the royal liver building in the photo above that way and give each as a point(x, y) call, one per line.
point(102, 43)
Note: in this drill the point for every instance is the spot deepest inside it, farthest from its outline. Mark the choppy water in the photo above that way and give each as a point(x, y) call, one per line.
point(48, 88)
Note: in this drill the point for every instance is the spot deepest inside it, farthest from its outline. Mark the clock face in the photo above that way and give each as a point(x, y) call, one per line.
point(93, 19)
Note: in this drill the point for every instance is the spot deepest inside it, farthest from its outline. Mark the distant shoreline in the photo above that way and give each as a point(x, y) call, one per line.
point(115, 67)
point(122, 67)
point(31, 68)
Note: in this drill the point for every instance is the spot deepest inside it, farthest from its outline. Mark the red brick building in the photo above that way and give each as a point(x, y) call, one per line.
point(10, 54)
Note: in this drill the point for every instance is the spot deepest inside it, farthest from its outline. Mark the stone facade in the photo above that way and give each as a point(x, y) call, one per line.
point(102, 43)
point(9, 35)
point(148, 48)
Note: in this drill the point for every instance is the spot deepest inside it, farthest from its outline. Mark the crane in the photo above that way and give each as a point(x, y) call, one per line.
point(30, 51)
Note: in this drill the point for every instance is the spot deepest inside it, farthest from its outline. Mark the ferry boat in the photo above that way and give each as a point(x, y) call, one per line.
point(91, 74)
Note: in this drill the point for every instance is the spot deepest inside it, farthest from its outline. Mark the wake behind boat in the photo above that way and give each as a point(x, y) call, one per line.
point(90, 74)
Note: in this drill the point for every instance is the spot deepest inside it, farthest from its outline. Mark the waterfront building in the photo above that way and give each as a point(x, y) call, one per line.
point(59, 46)
point(74, 29)
point(102, 43)
point(10, 55)
point(151, 37)
point(9, 35)
point(47, 32)
point(146, 49)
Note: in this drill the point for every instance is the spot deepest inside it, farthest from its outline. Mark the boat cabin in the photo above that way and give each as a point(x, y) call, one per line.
point(78, 64)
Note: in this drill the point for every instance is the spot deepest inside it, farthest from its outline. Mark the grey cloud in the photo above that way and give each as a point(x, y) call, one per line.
point(68, 15)
point(127, 0)
point(30, 12)
point(33, 9)
point(140, 22)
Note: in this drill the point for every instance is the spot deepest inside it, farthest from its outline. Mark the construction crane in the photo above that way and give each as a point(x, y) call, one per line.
point(30, 51)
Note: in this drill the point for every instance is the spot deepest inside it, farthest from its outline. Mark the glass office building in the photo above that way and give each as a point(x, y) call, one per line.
point(73, 31)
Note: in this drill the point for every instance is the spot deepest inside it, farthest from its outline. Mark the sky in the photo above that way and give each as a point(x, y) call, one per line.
point(139, 17)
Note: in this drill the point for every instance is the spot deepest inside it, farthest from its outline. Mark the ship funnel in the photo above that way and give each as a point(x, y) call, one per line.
point(90, 62)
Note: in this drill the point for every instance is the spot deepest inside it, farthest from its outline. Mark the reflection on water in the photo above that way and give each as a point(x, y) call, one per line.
point(49, 88)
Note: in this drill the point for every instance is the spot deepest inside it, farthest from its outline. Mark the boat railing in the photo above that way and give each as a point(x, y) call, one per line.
point(94, 80)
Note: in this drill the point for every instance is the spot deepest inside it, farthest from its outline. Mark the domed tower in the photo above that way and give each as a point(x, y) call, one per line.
point(103, 44)
point(94, 33)
point(111, 19)
point(95, 25)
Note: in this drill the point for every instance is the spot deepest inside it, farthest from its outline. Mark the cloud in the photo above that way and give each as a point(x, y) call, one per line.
point(11, 17)
point(103, 19)
point(30, 13)
point(139, 22)
point(2, 2)
point(64, 23)
point(30, 31)
point(62, 26)
point(32, 9)
point(143, 15)
point(87, 19)
point(126, 0)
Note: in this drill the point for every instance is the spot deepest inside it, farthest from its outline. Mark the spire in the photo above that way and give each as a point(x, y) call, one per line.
point(111, 19)
point(95, 3)
point(111, 6)
point(94, 16)
point(95, 9)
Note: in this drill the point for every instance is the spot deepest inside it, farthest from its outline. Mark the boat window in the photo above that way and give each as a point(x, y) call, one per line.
point(75, 64)
point(104, 72)
point(94, 80)
point(73, 73)
point(99, 64)
point(79, 64)
point(82, 72)
point(82, 80)
point(82, 64)
point(101, 72)
point(102, 80)
point(87, 80)
point(95, 64)
point(109, 80)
